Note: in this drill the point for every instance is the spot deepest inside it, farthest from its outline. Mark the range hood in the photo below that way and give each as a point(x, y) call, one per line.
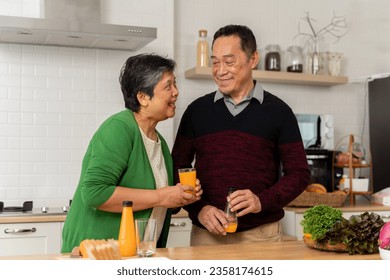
point(74, 23)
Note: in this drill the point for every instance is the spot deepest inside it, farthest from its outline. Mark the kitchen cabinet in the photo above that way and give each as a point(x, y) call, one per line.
point(179, 232)
point(291, 223)
point(276, 77)
point(30, 238)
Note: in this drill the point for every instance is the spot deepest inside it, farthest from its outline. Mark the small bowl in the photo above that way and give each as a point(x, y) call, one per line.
point(385, 254)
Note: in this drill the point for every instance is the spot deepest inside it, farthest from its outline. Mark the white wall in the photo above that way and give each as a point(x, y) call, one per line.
point(52, 99)
point(366, 49)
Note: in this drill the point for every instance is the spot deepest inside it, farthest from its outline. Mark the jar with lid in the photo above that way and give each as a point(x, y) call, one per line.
point(294, 59)
point(272, 58)
point(202, 49)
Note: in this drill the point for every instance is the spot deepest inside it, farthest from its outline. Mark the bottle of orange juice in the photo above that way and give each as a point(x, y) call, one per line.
point(126, 238)
point(231, 215)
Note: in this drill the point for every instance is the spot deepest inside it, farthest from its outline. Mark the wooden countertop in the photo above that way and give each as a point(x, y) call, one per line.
point(359, 207)
point(288, 250)
point(32, 219)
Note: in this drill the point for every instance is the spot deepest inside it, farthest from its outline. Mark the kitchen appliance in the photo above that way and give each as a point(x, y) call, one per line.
point(320, 165)
point(379, 118)
point(317, 131)
point(27, 209)
point(73, 23)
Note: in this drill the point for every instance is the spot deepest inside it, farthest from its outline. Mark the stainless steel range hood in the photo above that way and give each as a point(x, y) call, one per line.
point(74, 23)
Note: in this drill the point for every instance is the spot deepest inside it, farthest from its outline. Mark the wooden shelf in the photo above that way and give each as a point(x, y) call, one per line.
point(276, 77)
point(352, 166)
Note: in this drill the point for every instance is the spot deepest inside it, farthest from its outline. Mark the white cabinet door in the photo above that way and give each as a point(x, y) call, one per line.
point(30, 238)
point(179, 232)
point(291, 224)
point(61, 228)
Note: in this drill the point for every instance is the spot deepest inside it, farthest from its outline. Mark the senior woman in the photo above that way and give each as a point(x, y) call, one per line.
point(127, 159)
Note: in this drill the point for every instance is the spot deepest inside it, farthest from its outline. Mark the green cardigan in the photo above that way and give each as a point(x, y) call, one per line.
point(116, 156)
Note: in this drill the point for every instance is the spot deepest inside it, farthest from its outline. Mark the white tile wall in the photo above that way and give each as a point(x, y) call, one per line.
point(52, 99)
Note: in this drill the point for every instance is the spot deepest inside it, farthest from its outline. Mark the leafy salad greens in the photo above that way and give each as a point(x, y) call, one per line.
point(360, 233)
point(319, 219)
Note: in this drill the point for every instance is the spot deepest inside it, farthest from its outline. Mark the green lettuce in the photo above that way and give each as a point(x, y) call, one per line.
point(319, 219)
point(360, 233)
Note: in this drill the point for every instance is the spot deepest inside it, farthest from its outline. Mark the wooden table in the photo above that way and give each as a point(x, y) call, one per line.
point(288, 250)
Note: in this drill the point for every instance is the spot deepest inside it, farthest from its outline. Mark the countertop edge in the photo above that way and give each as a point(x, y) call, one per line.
point(32, 219)
point(346, 208)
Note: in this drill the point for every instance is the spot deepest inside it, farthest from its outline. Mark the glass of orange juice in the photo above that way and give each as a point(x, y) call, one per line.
point(230, 215)
point(187, 177)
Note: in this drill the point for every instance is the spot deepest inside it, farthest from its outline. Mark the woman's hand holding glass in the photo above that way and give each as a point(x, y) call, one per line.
point(178, 195)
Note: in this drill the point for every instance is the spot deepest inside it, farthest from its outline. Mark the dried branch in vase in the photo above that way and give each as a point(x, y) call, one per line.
point(336, 28)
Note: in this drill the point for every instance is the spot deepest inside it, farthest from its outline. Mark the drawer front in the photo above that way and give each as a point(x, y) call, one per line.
point(180, 224)
point(30, 238)
point(179, 232)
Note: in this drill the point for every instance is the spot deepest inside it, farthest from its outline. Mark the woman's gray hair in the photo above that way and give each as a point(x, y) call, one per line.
point(141, 73)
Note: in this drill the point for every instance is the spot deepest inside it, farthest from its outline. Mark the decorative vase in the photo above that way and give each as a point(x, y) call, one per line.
point(316, 64)
point(334, 63)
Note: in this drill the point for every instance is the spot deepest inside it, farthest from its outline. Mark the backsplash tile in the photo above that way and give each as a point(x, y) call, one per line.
point(52, 100)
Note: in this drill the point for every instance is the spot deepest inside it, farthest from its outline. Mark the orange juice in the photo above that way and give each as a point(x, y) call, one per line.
point(126, 239)
point(187, 177)
point(232, 227)
point(230, 215)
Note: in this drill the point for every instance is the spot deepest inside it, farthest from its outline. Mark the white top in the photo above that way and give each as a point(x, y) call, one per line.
point(156, 159)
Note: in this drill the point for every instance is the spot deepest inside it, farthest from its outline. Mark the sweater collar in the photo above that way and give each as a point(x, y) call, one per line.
point(257, 92)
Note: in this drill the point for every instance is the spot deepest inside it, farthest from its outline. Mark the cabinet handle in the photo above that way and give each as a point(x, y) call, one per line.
point(20, 230)
point(182, 224)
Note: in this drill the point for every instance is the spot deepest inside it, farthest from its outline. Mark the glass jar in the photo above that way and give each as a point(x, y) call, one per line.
point(202, 50)
point(294, 59)
point(272, 58)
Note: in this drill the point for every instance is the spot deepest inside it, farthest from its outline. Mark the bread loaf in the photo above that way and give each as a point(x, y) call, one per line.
point(100, 249)
point(317, 188)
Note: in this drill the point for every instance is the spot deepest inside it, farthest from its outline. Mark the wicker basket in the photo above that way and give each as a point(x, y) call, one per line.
point(309, 199)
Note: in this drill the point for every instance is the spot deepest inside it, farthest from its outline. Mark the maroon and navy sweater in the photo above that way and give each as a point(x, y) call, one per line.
point(259, 149)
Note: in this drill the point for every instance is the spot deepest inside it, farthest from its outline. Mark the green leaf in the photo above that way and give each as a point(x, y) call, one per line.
point(318, 219)
point(360, 233)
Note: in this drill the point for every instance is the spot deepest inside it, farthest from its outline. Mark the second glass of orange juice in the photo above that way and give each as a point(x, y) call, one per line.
point(187, 177)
